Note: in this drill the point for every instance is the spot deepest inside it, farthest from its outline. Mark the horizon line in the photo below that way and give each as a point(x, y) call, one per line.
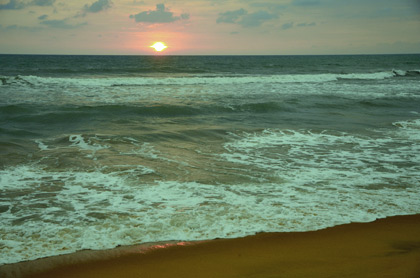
point(168, 55)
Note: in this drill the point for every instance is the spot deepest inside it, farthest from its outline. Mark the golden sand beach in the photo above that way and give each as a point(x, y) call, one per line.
point(384, 248)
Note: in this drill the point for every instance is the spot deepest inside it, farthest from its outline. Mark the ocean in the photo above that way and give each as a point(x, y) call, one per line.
point(101, 151)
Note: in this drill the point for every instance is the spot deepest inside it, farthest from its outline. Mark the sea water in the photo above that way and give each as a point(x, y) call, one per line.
point(101, 151)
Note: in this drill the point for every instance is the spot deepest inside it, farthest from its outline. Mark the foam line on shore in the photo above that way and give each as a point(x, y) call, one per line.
point(387, 247)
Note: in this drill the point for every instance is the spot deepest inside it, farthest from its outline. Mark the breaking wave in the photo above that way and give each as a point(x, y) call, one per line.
point(197, 79)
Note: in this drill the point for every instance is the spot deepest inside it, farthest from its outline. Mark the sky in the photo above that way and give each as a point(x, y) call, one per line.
point(210, 27)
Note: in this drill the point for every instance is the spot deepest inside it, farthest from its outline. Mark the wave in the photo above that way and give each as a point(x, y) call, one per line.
point(404, 73)
point(74, 114)
point(197, 79)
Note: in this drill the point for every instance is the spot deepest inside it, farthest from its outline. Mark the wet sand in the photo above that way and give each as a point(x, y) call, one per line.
point(384, 248)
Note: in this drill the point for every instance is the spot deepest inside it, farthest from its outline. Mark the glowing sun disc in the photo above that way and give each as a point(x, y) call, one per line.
point(159, 46)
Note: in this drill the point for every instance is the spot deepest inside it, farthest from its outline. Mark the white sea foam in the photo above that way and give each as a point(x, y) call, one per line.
point(367, 76)
point(204, 79)
point(411, 127)
point(409, 132)
point(83, 143)
point(79, 141)
point(41, 145)
point(201, 88)
point(305, 158)
point(311, 187)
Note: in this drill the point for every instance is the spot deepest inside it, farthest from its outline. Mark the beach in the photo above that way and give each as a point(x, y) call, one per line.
point(387, 247)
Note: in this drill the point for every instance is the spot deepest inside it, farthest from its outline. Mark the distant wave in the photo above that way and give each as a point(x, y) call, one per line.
point(198, 79)
point(72, 114)
point(403, 73)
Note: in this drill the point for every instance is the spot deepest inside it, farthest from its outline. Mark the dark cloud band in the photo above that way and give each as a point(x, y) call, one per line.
point(98, 6)
point(160, 15)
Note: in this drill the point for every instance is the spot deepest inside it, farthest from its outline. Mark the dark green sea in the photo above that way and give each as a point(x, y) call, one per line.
point(100, 151)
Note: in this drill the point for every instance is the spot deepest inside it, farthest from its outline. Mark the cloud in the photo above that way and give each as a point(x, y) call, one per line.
point(231, 16)
point(287, 26)
point(290, 25)
point(43, 17)
point(42, 3)
point(160, 15)
point(61, 24)
point(98, 6)
point(12, 5)
point(305, 24)
point(19, 28)
point(256, 19)
point(245, 19)
point(18, 5)
point(306, 2)
point(185, 16)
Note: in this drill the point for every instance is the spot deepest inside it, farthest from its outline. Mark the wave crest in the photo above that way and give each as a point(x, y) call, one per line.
point(197, 79)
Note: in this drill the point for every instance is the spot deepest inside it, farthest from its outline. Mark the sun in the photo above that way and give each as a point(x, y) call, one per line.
point(159, 46)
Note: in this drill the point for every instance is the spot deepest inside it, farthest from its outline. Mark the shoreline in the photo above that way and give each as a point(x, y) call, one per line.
point(388, 247)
